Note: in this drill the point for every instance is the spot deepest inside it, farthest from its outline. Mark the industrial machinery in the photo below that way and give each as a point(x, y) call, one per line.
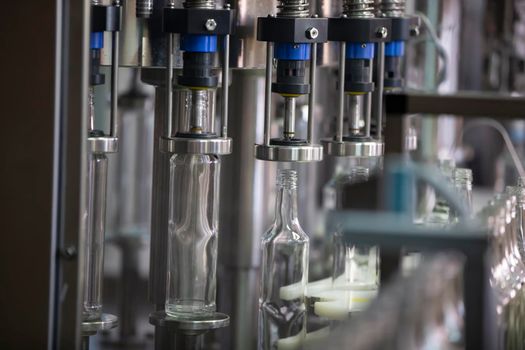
point(153, 213)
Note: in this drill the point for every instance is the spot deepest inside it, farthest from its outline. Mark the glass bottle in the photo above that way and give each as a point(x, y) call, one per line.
point(462, 180)
point(354, 266)
point(440, 215)
point(282, 309)
point(192, 245)
point(95, 228)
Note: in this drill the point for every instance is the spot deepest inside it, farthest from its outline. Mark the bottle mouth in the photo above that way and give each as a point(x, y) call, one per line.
point(287, 179)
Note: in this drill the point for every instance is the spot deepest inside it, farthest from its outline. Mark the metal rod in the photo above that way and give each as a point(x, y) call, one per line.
point(169, 86)
point(378, 93)
point(85, 343)
point(341, 83)
point(368, 113)
point(268, 93)
point(225, 85)
point(289, 117)
point(114, 84)
point(311, 97)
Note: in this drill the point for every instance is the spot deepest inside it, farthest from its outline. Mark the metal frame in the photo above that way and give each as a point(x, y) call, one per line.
point(392, 233)
point(304, 153)
point(221, 145)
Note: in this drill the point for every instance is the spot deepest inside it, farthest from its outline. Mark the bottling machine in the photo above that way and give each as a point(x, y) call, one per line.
point(166, 124)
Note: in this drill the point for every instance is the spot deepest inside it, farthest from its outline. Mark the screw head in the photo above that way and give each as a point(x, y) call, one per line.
point(227, 6)
point(382, 33)
point(414, 31)
point(312, 33)
point(210, 25)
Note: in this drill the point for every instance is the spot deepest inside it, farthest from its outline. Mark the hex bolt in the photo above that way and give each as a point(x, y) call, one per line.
point(312, 33)
point(210, 25)
point(68, 253)
point(382, 33)
point(414, 31)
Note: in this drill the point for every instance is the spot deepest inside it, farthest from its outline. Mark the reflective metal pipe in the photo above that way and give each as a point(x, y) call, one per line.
point(289, 117)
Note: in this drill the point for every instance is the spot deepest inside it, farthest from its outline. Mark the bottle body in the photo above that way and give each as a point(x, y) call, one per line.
point(95, 228)
point(282, 309)
point(354, 266)
point(192, 244)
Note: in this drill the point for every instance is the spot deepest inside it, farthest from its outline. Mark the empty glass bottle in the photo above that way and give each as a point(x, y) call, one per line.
point(282, 309)
point(354, 266)
point(192, 246)
point(95, 228)
point(462, 180)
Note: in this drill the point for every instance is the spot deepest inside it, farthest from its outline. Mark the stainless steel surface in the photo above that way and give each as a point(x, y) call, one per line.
point(113, 132)
point(312, 95)
point(268, 93)
point(359, 8)
point(168, 84)
point(293, 8)
point(160, 204)
point(341, 93)
point(103, 144)
point(310, 153)
point(181, 145)
point(225, 84)
point(247, 52)
point(377, 95)
point(144, 8)
point(355, 110)
point(200, 4)
point(247, 211)
point(198, 111)
point(354, 148)
point(105, 323)
point(190, 326)
point(392, 8)
point(289, 117)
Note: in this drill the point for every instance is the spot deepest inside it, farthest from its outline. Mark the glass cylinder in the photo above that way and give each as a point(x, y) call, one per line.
point(196, 113)
point(193, 224)
point(94, 247)
point(282, 309)
point(440, 215)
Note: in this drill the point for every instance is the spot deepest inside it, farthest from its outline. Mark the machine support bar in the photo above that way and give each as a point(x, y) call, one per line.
point(311, 97)
point(268, 93)
point(341, 85)
point(225, 85)
point(169, 86)
point(377, 105)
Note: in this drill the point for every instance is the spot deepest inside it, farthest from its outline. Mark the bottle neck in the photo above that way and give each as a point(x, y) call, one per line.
point(286, 204)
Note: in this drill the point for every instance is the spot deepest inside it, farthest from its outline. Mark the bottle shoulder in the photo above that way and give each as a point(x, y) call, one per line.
point(285, 234)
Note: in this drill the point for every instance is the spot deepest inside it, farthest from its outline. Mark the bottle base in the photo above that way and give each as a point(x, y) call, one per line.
point(190, 309)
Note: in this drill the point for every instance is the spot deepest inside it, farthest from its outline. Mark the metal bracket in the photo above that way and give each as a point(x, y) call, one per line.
point(193, 325)
point(185, 145)
point(405, 28)
point(366, 148)
point(299, 154)
point(105, 18)
point(360, 30)
point(292, 30)
point(196, 21)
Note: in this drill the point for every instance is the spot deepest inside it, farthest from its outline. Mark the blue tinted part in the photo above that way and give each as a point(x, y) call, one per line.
point(198, 43)
point(96, 40)
point(292, 52)
point(363, 51)
point(395, 49)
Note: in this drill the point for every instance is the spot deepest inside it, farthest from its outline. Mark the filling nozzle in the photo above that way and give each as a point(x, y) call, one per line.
point(199, 111)
point(289, 117)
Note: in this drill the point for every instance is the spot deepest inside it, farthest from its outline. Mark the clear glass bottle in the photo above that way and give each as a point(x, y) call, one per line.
point(95, 228)
point(282, 309)
point(462, 180)
point(192, 246)
point(440, 215)
point(354, 266)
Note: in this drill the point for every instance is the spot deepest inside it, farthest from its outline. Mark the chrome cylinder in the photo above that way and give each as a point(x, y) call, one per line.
point(392, 8)
point(359, 8)
point(293, 8)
